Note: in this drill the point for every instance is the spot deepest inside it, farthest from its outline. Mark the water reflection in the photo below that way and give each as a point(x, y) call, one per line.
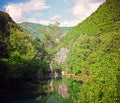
point(63, 91)
point(48, 90)
point(52, 85)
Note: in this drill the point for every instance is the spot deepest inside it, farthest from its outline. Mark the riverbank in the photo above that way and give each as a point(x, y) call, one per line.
point(64, 73)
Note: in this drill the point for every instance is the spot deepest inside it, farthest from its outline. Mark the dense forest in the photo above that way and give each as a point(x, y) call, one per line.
point(93, 53)
point(22, 56)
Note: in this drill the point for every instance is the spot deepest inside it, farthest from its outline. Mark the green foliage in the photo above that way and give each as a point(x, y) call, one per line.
point(105, 19)
point(97, 65)
point(94, 54)
point(32, 28)
point(49, 36)
point(4, 34)
point(22, 56)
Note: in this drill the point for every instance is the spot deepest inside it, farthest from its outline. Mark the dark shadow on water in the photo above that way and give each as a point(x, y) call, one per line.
point(28, 93)
point(40, 91)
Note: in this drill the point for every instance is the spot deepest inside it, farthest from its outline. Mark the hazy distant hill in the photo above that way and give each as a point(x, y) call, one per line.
point(33, 28)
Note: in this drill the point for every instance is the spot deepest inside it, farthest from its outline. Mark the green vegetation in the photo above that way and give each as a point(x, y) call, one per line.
point(97, 65)
point(32, 28)
point(104, 19)
point(22, 56)
point(94, 54)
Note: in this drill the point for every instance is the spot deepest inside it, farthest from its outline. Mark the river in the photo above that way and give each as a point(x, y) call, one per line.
point(61, 89)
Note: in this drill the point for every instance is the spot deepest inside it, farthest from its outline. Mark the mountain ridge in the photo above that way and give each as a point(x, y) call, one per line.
point(105, 19)
point(94, 52)
point(33, 28)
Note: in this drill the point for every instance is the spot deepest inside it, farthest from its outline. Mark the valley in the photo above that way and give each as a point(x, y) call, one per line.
point(53, 64)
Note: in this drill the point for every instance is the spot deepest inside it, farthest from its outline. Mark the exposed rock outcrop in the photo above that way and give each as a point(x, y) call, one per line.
point(62, 55)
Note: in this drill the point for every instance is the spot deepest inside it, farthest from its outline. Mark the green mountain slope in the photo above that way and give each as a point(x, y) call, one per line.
point(21, 54)
point(105, 19)
point(33, 28)
point(16, 50)
point(94, 54)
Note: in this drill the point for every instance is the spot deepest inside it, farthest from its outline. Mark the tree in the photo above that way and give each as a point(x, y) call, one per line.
point(44, 46)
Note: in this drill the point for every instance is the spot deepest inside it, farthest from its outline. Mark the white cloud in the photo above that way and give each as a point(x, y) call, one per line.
point(16, 10)
point(65, 23)
point(55, 17)
point(34, 5)
point(69, 23)
point(45, 22)
point(83, 8)
point(33, 20)
point(38, 14)
point(30, 11)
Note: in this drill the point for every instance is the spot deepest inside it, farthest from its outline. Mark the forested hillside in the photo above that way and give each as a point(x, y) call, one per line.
point(22, 56)
point(32, 28)
point(94, 54)
point(89, 52)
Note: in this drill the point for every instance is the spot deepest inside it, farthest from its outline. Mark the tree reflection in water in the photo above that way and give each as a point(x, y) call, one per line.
point(47, 90)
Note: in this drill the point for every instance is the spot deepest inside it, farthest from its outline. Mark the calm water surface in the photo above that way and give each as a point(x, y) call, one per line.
point(52, 90)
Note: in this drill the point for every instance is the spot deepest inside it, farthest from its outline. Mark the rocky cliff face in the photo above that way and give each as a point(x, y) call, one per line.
point(62, 55)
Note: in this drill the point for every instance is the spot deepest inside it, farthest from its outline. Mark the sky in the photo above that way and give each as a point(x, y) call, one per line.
point(66, 12)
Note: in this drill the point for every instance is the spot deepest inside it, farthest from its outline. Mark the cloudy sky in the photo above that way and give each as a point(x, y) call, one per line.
point(67, 12)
